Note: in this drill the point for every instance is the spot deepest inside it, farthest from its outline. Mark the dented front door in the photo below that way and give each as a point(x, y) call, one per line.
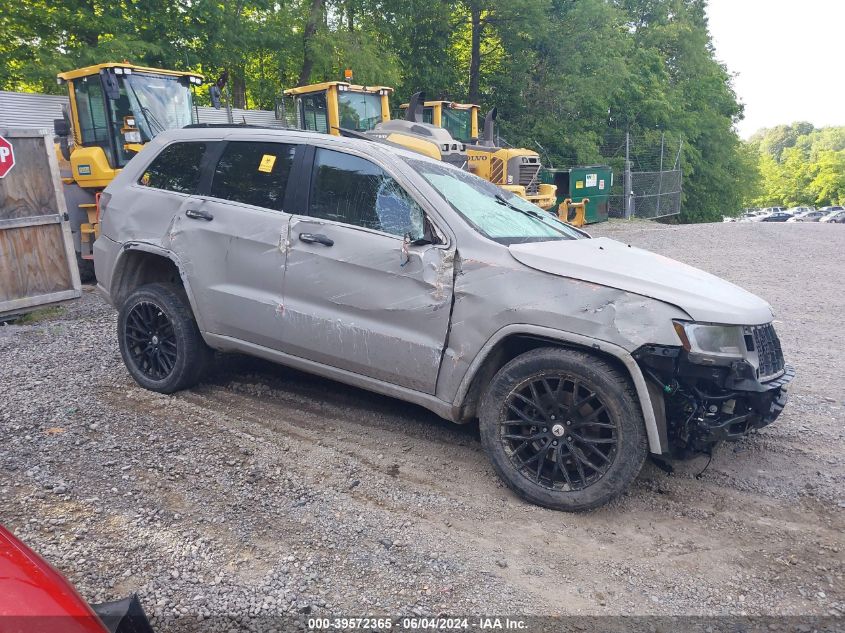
point(367, 302)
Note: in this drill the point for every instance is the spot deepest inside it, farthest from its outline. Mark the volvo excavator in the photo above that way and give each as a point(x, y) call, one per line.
point(514, 169)
point(114, 109)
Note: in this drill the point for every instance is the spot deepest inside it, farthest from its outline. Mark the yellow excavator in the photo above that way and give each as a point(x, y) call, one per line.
point(342, 108)
point(514, 169)
point(113, 110)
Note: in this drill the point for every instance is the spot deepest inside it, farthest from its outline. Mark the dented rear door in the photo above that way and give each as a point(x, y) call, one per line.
point(232, 241)
point(358, 296)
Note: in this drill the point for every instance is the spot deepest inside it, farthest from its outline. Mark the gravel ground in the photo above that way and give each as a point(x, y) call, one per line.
point(267, 491)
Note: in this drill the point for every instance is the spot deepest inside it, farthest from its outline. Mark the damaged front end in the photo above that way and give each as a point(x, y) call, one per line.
point(722, 383)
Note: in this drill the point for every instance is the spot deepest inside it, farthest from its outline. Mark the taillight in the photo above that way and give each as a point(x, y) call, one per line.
point(102, 200)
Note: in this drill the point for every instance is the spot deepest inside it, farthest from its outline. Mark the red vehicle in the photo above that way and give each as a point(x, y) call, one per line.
point(35, 597)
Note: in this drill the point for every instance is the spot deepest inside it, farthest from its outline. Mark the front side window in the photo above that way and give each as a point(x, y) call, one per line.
point(254, 173)
point(353, 190)
point(176, 168)
point(494, 212)
point(313, 113)
point(359, 110)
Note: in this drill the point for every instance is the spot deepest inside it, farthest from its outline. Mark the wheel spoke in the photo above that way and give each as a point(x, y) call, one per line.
point(535, 394)
point(537, 455)
point(578, 465)
point(527, 438)
point(562, 467)
point(598, 453)
point(594, 440)
point(524, 417)
point(542, 461)
point(579, 456)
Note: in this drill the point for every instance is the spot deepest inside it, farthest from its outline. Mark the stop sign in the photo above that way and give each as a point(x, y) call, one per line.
point(7, 157)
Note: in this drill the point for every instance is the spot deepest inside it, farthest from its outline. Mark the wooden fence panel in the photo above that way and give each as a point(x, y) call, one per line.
point(37, 259)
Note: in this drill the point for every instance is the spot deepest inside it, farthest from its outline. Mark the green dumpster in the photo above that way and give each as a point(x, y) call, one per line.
point(577, 183)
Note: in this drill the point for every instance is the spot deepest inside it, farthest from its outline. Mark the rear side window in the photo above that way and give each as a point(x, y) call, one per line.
point(176, 168)
point(353, 190)
point(254, 173)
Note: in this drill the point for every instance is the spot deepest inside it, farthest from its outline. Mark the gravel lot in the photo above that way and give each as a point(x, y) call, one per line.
point(267, 491)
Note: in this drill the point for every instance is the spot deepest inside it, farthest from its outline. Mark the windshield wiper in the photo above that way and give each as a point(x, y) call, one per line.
point(539, 216)
point(503, 201)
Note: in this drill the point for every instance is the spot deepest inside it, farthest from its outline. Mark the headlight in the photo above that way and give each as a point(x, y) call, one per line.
point(707, 344)
point(133, 136)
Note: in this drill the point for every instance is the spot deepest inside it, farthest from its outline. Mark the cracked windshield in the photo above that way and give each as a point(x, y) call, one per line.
point(493, 212)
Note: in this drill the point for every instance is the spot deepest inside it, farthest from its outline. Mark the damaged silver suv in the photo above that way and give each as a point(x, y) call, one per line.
point(379, 268)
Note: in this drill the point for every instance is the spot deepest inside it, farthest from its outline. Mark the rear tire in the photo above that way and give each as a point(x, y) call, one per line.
point(563, 429)
point(159, 339)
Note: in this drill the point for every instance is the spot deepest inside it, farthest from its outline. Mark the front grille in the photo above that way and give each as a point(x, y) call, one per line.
point(769, 353)
point(529, 177)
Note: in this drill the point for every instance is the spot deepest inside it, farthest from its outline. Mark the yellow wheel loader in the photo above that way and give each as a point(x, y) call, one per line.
point(342, 108)
point(114, 109)
point(517, 170)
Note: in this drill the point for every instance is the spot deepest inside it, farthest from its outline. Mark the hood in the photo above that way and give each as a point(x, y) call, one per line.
point(705, 297)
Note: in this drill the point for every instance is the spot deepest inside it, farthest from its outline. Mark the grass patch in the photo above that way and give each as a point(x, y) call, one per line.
point(41, 315)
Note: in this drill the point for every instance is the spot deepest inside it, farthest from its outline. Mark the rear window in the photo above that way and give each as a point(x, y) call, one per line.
point(254, 173)
point(176, 168)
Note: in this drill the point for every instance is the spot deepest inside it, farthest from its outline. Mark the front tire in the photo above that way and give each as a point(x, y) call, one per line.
point(563, 429)
point(159, 339)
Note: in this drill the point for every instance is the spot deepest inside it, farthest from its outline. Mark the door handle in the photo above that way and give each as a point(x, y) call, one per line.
point(319, 238)
point(199, 214)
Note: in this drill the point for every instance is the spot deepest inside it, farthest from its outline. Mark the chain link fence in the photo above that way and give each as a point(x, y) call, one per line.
point(653, 162)
point(654, 194)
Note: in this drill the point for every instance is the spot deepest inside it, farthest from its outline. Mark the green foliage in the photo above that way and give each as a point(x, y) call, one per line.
point(570, 76)
point(799, 165)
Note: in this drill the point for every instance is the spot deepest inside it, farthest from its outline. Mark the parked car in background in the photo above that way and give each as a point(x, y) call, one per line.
point(808, 216)
point(777, 216)
point(835, 215)
point(799, 210)
point(35, 597)
point(393, 272)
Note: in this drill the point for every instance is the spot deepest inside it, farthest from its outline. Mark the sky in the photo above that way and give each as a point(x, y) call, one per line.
point(788, 57)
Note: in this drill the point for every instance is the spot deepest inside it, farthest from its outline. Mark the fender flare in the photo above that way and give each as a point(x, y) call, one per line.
point(618, 352)
point(153, 249)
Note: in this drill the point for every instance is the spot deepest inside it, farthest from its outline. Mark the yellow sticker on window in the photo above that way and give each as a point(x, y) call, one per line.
point(266, 164)
point(579, 184)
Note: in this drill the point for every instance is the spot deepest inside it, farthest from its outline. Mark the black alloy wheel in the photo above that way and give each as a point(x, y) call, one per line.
point(563, 428)
point(150, 340)
point(159, 339)
point(558, 433)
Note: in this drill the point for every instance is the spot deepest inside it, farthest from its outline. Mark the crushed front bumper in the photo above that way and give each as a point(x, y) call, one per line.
point(705, 405)
point(757, 410)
